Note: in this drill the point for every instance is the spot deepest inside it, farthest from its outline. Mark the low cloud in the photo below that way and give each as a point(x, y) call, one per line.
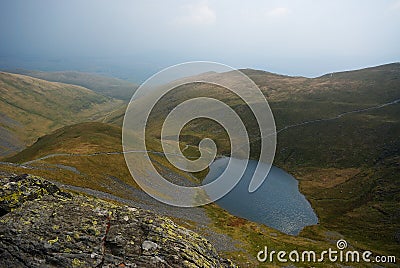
point(396, 5)
point(278, 12)
point(197, 14)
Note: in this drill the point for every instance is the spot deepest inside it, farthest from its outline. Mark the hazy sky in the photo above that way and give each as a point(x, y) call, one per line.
point(302, 37)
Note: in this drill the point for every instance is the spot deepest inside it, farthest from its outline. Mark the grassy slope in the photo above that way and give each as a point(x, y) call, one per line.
point(86, 138)
point(348, 168)
point(107, 86)
point(83, 138)
point(32, 107)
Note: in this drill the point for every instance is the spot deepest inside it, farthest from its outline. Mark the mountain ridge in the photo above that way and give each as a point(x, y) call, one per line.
point(104, 85)
point(346, 167)
point(32, 107)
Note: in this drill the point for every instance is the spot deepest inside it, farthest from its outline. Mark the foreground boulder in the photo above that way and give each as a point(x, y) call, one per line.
point(42, 226)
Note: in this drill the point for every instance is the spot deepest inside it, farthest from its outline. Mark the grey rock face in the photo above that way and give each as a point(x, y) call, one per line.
point(41, 226)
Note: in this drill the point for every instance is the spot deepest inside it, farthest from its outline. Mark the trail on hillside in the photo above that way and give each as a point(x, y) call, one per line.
point(162, 153)
point(339, 115)
point(95, 154)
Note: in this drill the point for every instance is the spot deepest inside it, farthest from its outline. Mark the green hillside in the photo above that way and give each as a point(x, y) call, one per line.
point(86, 155)
point(81, 140)
point(91, 163)
point(107, 86)
point(338, 135)
point(33, 107)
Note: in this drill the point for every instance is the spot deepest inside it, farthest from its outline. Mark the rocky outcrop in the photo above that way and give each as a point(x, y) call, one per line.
point(15, 190)
point(42, 226)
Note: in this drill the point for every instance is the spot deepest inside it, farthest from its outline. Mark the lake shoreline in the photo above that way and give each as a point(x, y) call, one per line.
point(278, 203)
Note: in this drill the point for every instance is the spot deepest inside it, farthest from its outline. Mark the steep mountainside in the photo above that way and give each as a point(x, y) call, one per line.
point(33, 107)
point(85, 142)
point(338, 134)
point(107, 86)
point(87, 158)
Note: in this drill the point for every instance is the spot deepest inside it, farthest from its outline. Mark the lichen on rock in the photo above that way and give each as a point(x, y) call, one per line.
point(42, 226)
point(15, 190)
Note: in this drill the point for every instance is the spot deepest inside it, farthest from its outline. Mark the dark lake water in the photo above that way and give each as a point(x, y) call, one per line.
point(276, 203)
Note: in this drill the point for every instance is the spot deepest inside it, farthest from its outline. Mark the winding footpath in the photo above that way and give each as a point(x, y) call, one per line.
point(142, 200)
point(339, 115)
point(95, 154)
point(162, 153)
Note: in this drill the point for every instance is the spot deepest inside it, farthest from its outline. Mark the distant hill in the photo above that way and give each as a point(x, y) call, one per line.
point(389, 71)
point(32, 107)
point(334, 136)
point(338, 134)
point(107, 86)
point(369, 85)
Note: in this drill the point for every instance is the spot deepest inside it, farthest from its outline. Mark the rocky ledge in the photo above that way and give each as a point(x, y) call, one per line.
point(42, 226)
